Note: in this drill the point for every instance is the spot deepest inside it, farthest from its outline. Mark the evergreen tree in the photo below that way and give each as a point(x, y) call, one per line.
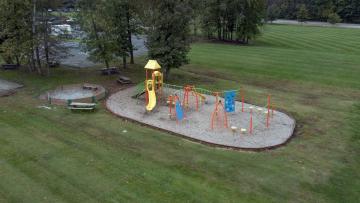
point(273, 12)
point(250, 20)
point(302, 14)
point(117, 28)
point(239, 17)
point(168, 33)
point(334, 18)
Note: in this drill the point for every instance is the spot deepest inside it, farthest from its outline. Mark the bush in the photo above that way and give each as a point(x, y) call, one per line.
point(334, 18)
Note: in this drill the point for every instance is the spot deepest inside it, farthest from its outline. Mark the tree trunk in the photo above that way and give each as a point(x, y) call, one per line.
point(32, 57)
point(29, 64)
point(195, 28)
point(34, 38)
point(46, 39)
point(167, 73)
point(124, 62)
point(17, 60)
point(131, 48)
point(38, 60)
point(107, 64)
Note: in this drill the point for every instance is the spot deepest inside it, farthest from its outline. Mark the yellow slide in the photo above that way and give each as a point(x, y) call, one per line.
point(151, 95)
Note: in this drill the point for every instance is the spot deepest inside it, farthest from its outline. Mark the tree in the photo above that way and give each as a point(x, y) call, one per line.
point(168, 34)
point(133, 25)
point(240, 17)
point(26, 33)
point(334, 18)
point(302, 14)
point(250, 20)
point(50, 46)
point(14, 30)
point(273, 12)
point(110, 26)
point(117, 29)
point(92, 21)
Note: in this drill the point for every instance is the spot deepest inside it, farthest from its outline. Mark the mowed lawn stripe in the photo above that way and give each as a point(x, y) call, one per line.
point(285, 67)
point(336, 41)
point(60, 167)
point(298, 64)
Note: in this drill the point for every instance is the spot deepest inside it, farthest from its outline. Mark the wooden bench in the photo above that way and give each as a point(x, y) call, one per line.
point(90, 87)
point(10, 66)
point(124, 80)
point(82, 106)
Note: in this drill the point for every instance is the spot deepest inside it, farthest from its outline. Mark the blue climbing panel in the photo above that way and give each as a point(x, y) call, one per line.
point(179, 111)
point(230, 101)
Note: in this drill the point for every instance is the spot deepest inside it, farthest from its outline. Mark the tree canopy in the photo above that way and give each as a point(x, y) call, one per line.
point(322, 10)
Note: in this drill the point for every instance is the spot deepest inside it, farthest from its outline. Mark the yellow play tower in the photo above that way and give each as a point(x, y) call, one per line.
point(153, 83)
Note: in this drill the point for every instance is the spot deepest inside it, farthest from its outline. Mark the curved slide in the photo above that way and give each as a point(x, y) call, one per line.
point(151, 95)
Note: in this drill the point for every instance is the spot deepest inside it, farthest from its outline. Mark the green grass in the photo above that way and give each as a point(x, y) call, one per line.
point(59, 156)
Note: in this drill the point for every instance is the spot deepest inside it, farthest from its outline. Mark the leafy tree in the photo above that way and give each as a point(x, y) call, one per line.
point(26, 33)
point(168, 33)
point(349, 10)
point(117, 28)
point(334, 18)
point(15, 18)
point(273, 12)
point(239, 17)
point(250, 20)
point(51, 47)
point(92, 21)
point(302, 14)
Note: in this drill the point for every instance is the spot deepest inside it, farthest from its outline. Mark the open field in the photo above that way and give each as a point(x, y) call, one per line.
point(313, 74)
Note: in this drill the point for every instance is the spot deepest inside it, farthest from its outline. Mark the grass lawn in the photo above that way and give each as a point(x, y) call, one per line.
point(313, 74)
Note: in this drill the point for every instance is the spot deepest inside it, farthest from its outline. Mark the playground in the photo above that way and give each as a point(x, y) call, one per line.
point(214, 118)
point(7, 87)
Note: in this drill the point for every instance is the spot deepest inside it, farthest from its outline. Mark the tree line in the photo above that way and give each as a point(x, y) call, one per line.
point(333, 11)
point(167, 24)
point(25, 32)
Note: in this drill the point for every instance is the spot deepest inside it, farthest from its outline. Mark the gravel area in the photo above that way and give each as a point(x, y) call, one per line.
point(197, 125)
point(75, 92)
point(7, 86)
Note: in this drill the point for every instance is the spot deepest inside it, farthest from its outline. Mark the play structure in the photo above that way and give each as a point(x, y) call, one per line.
point(78, 93)
point(212, 117)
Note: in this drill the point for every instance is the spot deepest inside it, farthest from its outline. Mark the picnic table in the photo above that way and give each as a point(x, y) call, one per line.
point(82, 106)
point(110, 71)
point(10, 66)
point(90, 87)
point(124, 80)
